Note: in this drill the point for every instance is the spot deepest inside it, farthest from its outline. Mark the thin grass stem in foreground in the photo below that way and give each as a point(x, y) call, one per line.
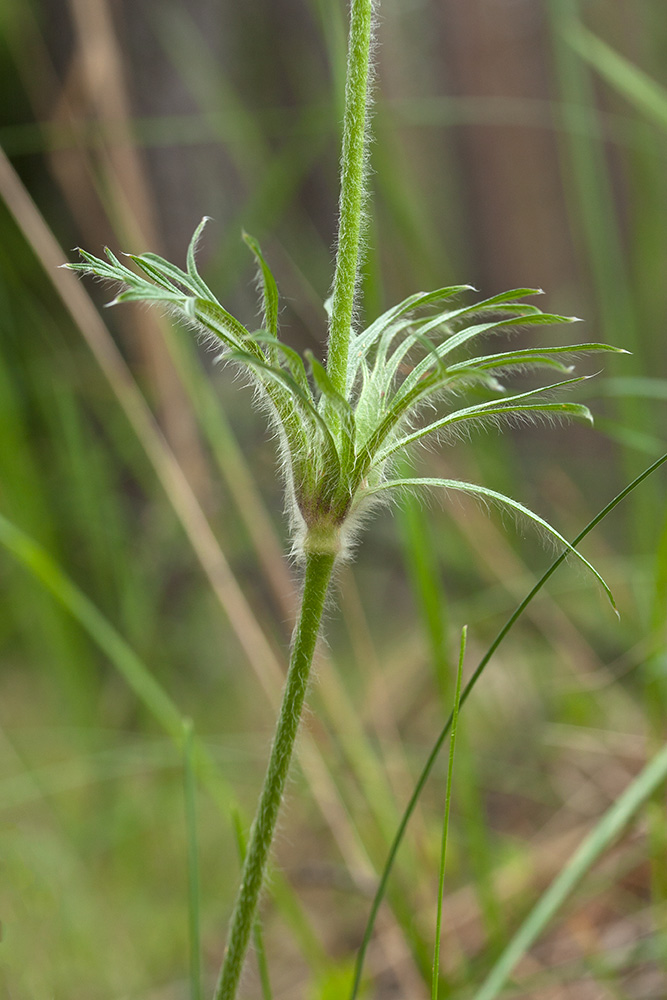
point(435, 983)
point(190, 790)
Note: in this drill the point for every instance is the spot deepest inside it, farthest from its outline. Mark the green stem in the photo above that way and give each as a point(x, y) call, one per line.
point(353, 170)
point(319, 567)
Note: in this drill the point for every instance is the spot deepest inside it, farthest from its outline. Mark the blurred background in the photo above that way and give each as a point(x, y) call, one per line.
point(516, 143)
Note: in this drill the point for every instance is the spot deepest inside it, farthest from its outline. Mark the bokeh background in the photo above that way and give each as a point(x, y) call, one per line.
point(516, 143)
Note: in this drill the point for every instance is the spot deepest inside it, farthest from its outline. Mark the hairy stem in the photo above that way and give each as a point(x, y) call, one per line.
point(351, 191)
point(318, 574)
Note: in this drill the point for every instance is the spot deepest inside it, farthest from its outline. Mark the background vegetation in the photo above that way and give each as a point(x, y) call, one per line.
point(516, 144)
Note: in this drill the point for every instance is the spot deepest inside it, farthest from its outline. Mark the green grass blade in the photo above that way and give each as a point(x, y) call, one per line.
point(189, 788)
point(596, 226)
point(635, 385)
point(641, 90)
point(437, 746)
point(605, 831)
point(593, 207)
point(445, 824)
point(138, 677)
point(101, 631)
point(429, 596)
point(134, 671)
point(262, 964)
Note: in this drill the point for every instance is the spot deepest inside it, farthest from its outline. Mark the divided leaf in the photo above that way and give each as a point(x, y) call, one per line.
point(337, 447)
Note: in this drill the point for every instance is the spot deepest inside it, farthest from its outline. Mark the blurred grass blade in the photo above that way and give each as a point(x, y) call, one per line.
point(141, 681)
point(190, 789)
point(169, 472)
point(242, 619)
point(445, 824)
point(437, 746)
point(262, 964)
point(593, 208)
point(101, 631)
point(641, 90)
point(422, 563)
point(596, 225)
point(136, 674)
point(647, 388)
point(611, 824)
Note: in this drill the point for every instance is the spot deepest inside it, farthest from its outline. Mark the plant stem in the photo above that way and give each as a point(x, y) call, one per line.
point(319, 567)
point(353, 169)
